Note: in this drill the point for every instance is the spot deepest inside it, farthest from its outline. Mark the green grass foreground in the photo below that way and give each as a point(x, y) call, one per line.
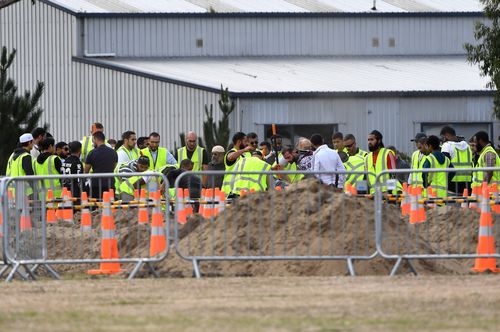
point(444, 303)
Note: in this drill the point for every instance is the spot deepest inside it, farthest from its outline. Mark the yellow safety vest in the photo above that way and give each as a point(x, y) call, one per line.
point(131, 154)
point(161, 158)
point(16, 169)
point(354, 163)
point(128, 186)
point(381, 166)
point(438, 181)
point(227, 183)
point(462, 159)
point(417, 162)
point(48, 168)
point(257, 182)
point(196, 158)
point(293, 177)
point(87, 146)
point(361, 153)
point(478, 176)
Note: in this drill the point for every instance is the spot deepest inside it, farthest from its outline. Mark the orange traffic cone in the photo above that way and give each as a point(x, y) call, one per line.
point(243, 192)
point(405, 201)
point(413, 205)
point(67, 207)
point(158, 241)
point(475, 197)
point(210, 206)
point(109, 246)
point(278, 188)
point(465, 203)
point(143, 217)
point(496, 206)
point(60, 206)
point(188, 208)
point(86, 219)
point(421, 209)
point(348, 189)
point(51, 212)
point(486, 240)
point(181, 211)
point(25, 222)
point(136, 194)
point(203, 200)
point(222, 200)
point(430, 194)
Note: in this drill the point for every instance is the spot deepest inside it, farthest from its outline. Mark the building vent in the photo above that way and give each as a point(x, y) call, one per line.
point(375, 42)
point(199, 42)
point(392, 42)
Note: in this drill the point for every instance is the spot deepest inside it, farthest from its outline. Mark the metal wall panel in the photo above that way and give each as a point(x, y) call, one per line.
point(175, 37)
point(398, 119)
point(77, 94)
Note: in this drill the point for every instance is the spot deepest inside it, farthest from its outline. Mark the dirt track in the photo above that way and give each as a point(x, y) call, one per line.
point(448, 303)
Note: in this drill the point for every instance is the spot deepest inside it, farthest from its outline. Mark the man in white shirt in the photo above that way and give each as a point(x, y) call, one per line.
point(326, 159)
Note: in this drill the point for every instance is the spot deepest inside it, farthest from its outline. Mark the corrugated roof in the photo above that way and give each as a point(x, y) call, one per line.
point(314, 74)
point(266, 6)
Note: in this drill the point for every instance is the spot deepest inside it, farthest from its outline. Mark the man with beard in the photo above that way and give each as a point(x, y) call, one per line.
point(232, 157)
point(216, 164)
point(62, 150)
point(379, 159)
point(158, 156)
point(487, 158)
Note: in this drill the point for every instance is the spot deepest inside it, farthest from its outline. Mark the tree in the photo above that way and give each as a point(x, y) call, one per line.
point(486, 53)
point(18, 113)
point(218, 134)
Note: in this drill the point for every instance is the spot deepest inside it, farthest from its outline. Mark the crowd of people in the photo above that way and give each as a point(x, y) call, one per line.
point(39, 154)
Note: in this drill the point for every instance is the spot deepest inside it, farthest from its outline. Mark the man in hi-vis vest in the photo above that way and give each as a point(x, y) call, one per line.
point(193, 152)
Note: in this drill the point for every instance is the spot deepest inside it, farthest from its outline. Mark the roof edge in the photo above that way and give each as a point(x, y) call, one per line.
point(291, 94)
point(478, 14)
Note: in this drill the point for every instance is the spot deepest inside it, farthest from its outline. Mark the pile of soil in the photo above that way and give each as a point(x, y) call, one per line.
point(307, 219)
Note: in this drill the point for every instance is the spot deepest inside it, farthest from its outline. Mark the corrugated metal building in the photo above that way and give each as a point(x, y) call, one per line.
point(307, 65)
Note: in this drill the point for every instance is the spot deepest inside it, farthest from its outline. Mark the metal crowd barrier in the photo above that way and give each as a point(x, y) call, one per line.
point(43, 230)
point(270, 226)
point(411, 226)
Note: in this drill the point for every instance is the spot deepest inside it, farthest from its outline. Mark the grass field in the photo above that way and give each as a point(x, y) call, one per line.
point(445, 303)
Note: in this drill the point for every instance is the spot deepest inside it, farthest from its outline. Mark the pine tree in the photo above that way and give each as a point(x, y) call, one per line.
point(486, 53)
point(218, 134)
point(18, 113)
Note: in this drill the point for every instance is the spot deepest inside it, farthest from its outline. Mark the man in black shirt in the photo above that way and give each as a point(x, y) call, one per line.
point(73, 165)
point(102, 159)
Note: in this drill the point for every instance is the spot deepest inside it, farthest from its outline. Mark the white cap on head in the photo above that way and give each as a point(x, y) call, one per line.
point(24, 138)
point(218, 148)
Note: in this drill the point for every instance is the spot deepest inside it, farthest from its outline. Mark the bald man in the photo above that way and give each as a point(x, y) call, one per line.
point(193, 152)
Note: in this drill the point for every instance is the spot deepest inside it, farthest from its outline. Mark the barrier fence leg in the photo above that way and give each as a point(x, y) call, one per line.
point(13, 272)
point(52, 272)
point(398, 264)
point(152, 270)
point(138, 266)
point(350, 267)
point(28, 271)
point(196, 269)
point(136, 269)
point(2, 271)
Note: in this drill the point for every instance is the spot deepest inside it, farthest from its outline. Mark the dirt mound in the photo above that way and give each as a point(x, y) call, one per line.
point(307, 220)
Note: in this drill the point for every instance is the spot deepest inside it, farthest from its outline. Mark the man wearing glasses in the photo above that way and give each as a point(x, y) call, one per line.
point(253, 141)
point(62, 150)
point(352, 148)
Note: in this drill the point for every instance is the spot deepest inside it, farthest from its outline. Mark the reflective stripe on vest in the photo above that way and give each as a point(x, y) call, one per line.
point(380, 166)
point(417, 162)
point(47, 168)
point(86, 147)
point(256, 179)
point(439, 180)
point(128, 185)
point(462, 159)
point(131, 154)
point(161, 157)
point(228, 181)
point(354, 163)
point(481, 163)
point(197, 155)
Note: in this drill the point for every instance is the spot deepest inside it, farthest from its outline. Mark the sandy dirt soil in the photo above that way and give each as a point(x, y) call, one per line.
point(444, 303)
